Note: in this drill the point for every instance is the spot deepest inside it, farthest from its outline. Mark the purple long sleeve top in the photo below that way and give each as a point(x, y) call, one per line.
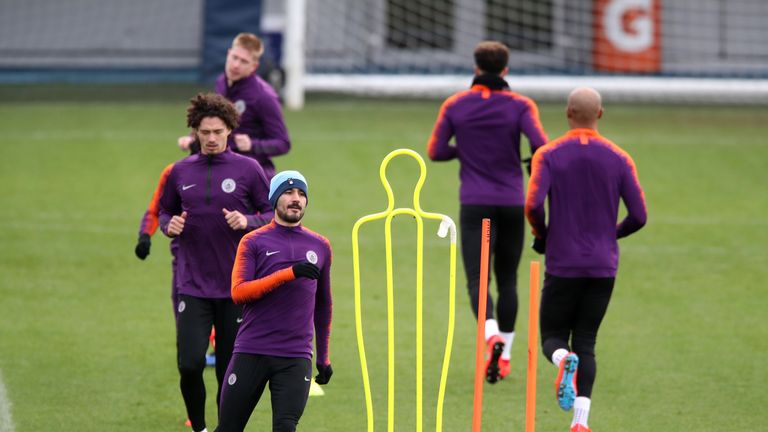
point(584, 176)
point(280, 311)
point(203, 185)
point(487, 125)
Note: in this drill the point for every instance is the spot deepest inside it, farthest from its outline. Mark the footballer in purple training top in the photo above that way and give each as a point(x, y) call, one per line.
point(282, 276)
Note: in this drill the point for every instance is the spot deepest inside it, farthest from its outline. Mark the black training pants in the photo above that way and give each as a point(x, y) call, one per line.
point(289, 379)
point(193, 328)
point(572, 310)
point(507, 233)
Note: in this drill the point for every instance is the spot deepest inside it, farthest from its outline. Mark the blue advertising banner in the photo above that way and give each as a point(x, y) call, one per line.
point(222, 21)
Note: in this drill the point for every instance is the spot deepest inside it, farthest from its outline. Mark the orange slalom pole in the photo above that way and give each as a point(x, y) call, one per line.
point(485, 245)
point(533, 349)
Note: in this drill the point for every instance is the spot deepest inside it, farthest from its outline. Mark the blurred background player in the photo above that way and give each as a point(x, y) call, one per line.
point(261, 133)
point(282, 275)
point(204, 203)
point(148, 227)
point(487, 121)
point(584, 175)
point(150, 223)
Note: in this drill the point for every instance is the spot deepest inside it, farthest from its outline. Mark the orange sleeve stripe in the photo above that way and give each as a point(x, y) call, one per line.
point(533, 108)
point(260, 230)
point(533, 182)
point(636, 179)
point(537, 119)
point(440, 117)
point(153, 211)
point(243, 290)
point(533, 189)
point(552, 145)
point(247, 291)
point(628, 160)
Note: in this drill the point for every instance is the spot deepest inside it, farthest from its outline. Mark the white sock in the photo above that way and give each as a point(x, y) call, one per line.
point(508, 338)
point(581, 410)
point(204, 430)
point(558, 356)
point(491, 328)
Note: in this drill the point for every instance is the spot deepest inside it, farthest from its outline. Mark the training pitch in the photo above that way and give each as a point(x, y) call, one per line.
point(86, 329)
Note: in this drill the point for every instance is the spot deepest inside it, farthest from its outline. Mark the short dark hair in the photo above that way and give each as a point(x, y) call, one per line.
point(491, 56)
point(211, 105)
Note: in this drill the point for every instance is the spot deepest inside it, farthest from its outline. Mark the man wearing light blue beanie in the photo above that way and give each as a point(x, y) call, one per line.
point(282, 277)
point(285, 180)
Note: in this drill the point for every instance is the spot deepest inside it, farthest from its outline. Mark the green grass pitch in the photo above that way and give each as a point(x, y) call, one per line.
point(86, 329)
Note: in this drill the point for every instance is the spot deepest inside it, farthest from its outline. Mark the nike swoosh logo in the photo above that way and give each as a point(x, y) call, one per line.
point(239, 320)
point(270, 253)
point(185, 187)
point(306, 379)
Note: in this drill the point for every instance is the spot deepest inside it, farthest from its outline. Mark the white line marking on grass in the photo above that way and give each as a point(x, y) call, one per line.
point(6, 422)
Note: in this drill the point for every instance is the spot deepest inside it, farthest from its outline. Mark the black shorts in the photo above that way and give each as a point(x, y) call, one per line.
point(573, 305)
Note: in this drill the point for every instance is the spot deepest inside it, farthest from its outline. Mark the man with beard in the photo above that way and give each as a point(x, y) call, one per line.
point(282, 276)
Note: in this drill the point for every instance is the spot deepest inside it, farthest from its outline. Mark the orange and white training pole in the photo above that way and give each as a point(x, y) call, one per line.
point(485, 246)
point(533, 349)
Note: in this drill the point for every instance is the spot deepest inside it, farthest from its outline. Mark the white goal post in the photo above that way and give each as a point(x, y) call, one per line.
point(657, 51)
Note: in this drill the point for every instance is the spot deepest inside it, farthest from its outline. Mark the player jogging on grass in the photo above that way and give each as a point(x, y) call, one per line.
point(261, 133)
point(282, 275)
point(209, 202)
point(583, 175)
point(487, 121)
point(150, 223)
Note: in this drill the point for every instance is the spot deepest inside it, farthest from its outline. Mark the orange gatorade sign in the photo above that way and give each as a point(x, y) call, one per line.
point(627, 35)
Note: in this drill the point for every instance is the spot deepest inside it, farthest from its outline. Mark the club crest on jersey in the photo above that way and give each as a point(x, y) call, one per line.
point(312, 257)
point(228, 185)
point(240, 106)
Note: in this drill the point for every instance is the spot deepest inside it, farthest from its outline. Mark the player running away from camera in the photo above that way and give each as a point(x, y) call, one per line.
point(261, 133)
point(487, 121)
point(282, 275)
point(584, 176)
point(210, 200)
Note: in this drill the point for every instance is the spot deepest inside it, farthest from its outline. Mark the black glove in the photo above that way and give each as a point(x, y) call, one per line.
point(307, 270)
point(527, 162)
point(142, 247)
point(324, 373)
point(194, 147)
point(539, 245)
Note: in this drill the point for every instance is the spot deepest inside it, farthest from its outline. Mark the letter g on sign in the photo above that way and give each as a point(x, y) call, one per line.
point(629, 25)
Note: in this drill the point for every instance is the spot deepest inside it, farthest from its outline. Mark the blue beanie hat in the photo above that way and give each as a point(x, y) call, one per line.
point(283, 181)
